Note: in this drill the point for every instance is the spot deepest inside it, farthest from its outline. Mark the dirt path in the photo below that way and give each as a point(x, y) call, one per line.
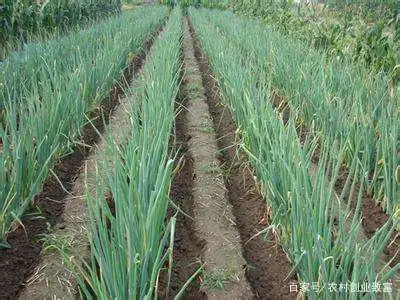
point(187, 246)
point(223, 277)
point(51, 278)
point(267, 266)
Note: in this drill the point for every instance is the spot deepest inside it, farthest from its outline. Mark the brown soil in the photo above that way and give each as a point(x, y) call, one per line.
point(187, 249)
point(268, 265)
point(214, 220)
point(373, 216)
point(18, 263)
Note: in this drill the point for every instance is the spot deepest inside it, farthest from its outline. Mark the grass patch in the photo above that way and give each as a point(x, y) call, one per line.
point(217, 279)
point(212, 169)
point(193, 89)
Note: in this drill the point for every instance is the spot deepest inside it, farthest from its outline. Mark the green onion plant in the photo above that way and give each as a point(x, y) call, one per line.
point(46, 92)
point(132, 242)
point(317, 228)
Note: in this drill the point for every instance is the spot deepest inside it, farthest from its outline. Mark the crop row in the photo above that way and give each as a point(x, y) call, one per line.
point(45, 93)
point(344, 102)
point(131, 241)
point(315, 226)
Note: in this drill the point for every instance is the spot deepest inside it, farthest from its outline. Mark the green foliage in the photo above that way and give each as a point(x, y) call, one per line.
point(366, 31)
point(45, 93)
point(22, 18)
point(367, 108)
point(342, 106)
point(221, 4)
point(367, 5)
point(130, 245)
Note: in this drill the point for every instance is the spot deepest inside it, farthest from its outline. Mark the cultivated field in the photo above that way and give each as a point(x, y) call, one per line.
point(183, 152)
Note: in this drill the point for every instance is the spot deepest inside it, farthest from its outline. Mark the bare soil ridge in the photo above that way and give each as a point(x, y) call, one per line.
point(267, 267)
point(223, 276)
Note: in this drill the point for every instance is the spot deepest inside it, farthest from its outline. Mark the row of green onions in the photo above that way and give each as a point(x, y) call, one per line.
point(337, 98)
point(45, 93)
point(131, 245)
point(314, 225)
